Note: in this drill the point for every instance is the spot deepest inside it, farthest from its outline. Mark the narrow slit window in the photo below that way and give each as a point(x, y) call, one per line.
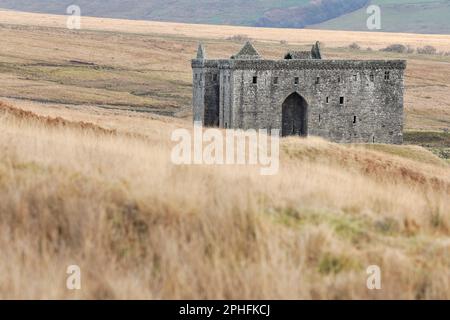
point(371, 78)
point(296, 80)
point(354, 119)
point(387, 75)
point(341, 100)
point(317, 80)
point(355, 77)
point(275, 80)
point(339, 79)
point(327, 99)
point(255, 80)
point(214, 77)
point(319, 118)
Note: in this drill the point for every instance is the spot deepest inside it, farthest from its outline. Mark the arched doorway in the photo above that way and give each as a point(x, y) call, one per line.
point(294, 116)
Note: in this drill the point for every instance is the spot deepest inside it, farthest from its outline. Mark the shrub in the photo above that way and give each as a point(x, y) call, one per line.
point(426, 50)
point(239, 38)
point(354, 46)
point(399, 48)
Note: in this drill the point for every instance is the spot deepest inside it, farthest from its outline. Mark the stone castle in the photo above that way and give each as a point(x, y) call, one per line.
point(302, 94)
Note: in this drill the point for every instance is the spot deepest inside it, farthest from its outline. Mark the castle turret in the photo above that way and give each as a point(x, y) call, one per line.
point(198, 87)
point(315, 51)
point(201, 52)
point(205, 88)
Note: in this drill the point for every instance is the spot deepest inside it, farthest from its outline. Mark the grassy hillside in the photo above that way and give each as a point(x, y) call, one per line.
point(95, 188)
point(86, 177)
point(419, 16)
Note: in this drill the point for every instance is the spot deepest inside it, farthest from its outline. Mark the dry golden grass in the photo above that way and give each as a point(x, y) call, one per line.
point(106, 197)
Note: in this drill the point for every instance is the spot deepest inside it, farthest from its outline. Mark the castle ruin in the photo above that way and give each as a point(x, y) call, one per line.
point(301, 95)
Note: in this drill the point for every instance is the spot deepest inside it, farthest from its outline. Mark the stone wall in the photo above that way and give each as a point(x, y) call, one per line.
point(206, 92)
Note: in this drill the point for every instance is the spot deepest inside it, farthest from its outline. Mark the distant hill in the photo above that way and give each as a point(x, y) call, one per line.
point(265, 13)
point(415, 16)
point(307, 14)
point(421, 16)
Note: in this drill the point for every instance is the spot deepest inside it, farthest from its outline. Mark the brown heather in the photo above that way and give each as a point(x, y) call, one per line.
point(96, 188)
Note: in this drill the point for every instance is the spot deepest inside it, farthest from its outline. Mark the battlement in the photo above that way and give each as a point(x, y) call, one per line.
point(301, 64)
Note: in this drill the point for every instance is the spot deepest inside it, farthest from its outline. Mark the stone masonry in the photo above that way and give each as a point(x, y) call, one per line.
point(302, 94)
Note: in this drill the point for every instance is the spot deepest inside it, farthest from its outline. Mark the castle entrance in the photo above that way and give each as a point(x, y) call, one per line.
point(294, 111)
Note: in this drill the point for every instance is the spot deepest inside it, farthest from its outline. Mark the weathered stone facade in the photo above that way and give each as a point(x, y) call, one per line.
point(302, 94)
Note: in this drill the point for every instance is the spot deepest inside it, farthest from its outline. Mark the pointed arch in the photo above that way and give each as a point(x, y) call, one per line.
point(294, 116)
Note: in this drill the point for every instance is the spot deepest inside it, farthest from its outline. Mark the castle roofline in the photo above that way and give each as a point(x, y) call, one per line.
point(283, 64)
point(314, 53)
point(247, 52)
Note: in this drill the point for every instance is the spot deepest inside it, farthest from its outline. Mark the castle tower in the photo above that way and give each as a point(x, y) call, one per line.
point(198, 84)
point(205, 89)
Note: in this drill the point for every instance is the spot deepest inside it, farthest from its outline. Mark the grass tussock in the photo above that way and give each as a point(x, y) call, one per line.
point(140, 227)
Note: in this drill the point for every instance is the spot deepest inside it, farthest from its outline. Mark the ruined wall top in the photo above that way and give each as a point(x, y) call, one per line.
point(314, 53)
point(248, 58)
point(313, 64)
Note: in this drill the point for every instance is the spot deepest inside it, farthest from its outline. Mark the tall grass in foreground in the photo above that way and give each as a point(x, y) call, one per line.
point(140, 227)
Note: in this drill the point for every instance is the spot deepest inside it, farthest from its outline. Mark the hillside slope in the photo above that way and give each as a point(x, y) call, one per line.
point(419, 16)
point(239, 12)
point(424, 16)
point(95, 188)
